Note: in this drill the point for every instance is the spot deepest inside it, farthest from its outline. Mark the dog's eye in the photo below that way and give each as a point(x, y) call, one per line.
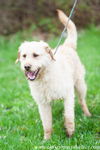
point(35, 55)
point(24, 55)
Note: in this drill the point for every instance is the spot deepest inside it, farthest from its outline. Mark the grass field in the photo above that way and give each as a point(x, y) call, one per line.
point(20, 125)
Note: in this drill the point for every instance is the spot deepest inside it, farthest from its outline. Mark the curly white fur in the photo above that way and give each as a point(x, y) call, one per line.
point(58, 77)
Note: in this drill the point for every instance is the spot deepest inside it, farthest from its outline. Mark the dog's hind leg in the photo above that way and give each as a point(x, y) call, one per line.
point(81, 89)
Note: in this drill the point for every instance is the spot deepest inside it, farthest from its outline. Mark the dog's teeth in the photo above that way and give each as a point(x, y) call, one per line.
point(32, 75)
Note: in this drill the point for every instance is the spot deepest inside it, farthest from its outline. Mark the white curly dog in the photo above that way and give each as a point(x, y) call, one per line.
point(55, 76)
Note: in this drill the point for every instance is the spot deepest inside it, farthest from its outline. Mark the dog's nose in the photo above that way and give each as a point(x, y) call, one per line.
point(27, 67)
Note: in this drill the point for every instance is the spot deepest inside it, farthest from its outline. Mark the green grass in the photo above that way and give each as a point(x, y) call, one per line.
point(20, 124)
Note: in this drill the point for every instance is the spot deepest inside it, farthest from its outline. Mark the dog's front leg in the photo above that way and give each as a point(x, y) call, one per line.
point(69, 112)
point(46, 117)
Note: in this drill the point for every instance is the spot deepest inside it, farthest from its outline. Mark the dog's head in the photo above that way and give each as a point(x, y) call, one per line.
point(34, 57)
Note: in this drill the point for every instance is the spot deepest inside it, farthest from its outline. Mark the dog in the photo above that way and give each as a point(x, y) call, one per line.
point(56, 76)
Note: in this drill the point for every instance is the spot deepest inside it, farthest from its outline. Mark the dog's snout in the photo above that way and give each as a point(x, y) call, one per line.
point(27, 67)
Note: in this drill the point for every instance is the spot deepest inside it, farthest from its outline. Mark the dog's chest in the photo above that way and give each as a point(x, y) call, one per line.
point(46, 91)
point(53, 85)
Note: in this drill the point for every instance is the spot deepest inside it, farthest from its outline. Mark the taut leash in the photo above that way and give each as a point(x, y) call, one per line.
point(70, 15)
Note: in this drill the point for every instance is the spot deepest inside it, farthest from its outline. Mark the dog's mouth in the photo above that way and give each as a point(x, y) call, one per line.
point(32, 75)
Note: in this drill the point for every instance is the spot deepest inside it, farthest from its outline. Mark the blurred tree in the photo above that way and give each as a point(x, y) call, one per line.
point(20, 14)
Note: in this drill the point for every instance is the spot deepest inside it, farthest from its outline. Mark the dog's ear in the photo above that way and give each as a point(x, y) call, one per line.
point(18, 58)
point(49, 51)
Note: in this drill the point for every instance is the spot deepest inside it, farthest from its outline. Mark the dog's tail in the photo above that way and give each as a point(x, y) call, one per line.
point(71, 29)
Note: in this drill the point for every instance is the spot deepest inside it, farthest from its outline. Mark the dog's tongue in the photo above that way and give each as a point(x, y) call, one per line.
point(31, 75)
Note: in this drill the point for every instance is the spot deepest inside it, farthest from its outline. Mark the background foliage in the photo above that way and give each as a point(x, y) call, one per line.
point(20, 14)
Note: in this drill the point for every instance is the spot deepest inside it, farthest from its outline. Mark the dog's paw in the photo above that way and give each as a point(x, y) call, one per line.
point(69, 132)
point(88, 114)
point(70, 128)
point(47, 135)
